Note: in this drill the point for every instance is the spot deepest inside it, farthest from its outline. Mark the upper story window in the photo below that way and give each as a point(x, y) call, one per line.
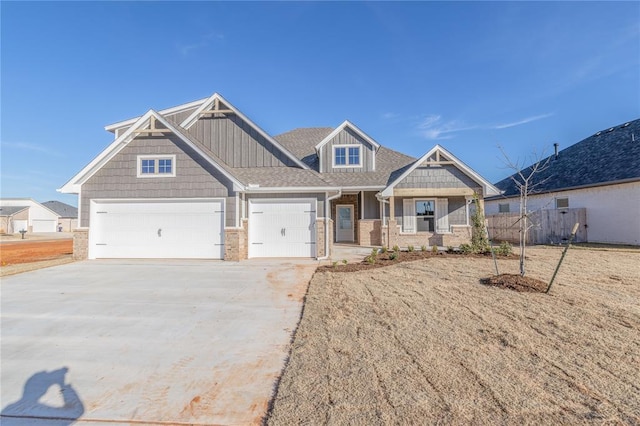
point(347, 156)
point(156, 165)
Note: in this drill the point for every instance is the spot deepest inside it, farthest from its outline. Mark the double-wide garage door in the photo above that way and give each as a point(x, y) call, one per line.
point(157, 229)
point(282, 228)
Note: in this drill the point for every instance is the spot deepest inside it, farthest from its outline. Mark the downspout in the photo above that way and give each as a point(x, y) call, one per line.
point(327, 217)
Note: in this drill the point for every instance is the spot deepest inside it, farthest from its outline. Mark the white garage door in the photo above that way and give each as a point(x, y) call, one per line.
point(282, 228)
point(42, 225)
point(152, 229)
point(19, 225)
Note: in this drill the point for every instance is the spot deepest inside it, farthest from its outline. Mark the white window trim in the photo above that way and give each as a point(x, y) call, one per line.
point(435, 217)
point(346, 166)
point(156, 157)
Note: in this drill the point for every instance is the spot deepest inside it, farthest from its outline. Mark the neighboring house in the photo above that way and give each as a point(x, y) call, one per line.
point(25, 213)
point(13, 219)
point(600, 174)
point(201, 180)
point(67, 215)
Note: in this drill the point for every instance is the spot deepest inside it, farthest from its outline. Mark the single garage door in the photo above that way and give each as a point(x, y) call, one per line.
point(19, 225)
point(282, 228)
point(157, 229)
point(43, 225)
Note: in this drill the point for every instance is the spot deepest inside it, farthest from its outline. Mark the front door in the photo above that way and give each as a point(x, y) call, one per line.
point(344, 225)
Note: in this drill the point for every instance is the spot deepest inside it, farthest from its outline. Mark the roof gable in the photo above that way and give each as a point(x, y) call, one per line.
point(217, 105)
point(347, 125)
point(611, 155)
point(144, 124)
point(437, 155)
point(164, 112)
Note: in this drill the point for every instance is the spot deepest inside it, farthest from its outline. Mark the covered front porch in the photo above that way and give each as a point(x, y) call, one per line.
point(410, 217)
point(427, 217)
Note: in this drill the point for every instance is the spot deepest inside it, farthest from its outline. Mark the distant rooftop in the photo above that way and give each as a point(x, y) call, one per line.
point(610, 155)
point(61, 209)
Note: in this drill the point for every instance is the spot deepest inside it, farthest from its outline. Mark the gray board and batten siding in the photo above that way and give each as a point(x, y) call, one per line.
point(347, 137)
point(438, 176)
point(195, 177)
point(371, 205)
point(237, 143)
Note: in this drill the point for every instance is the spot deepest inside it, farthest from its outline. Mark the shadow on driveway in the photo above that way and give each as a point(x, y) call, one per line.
point(29, 409)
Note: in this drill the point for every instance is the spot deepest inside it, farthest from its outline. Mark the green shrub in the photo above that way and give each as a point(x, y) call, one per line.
point(423, 248)
point(371, 259)
point(450, 249)
point(466, 248)
point(396, 248)
point(410, 249)
point(393, 255)
point(344, 261)
point(505, 249)
point(384, 249)
point(434, 249)
point(334, 264)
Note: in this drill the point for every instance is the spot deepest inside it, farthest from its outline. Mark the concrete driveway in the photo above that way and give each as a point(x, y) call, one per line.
point(153, 342)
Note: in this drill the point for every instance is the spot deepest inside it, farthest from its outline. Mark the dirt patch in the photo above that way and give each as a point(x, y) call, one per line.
point(12, 253)
point(516, 282)
point(390, 258)
point(423, 342)
point(26, 267)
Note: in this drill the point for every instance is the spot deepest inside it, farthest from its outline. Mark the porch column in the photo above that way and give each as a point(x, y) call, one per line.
point(392, 208)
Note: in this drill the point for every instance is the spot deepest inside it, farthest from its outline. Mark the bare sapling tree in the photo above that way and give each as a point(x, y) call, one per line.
point(526, 181)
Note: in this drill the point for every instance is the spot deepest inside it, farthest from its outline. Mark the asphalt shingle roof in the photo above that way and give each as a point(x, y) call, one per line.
point(61, 209)
point(302, 142)
point(610, 155)
point(11, 210)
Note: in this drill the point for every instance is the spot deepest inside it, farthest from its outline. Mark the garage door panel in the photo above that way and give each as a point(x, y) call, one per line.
point(284, 228)
point(43, 225)
point(133, 229)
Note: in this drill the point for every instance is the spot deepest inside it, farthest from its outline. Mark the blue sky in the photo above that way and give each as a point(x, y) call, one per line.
point(469, 76)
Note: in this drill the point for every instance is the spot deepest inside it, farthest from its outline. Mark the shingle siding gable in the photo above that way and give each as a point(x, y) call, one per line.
point(195, 177)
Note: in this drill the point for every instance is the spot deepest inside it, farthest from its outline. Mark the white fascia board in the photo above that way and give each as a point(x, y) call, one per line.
point(345, 124)
point(115, 126)
point(256, 189)
point(488, 188)
point(188, 122)
point(362, 188)
point(73, 185)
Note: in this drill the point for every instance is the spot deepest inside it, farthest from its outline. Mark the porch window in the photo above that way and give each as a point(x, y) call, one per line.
point(425, 215)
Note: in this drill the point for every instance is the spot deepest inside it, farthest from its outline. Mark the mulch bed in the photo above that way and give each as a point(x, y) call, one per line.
point(382, 260)
point(516, 282)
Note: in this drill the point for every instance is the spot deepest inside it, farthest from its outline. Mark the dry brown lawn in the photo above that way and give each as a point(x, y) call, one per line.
point(425, 343)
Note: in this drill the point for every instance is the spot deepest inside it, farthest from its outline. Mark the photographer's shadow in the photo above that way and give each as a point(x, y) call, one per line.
point(30, 410)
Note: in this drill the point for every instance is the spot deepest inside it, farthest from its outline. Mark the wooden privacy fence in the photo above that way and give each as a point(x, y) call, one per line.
point(547, 226)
